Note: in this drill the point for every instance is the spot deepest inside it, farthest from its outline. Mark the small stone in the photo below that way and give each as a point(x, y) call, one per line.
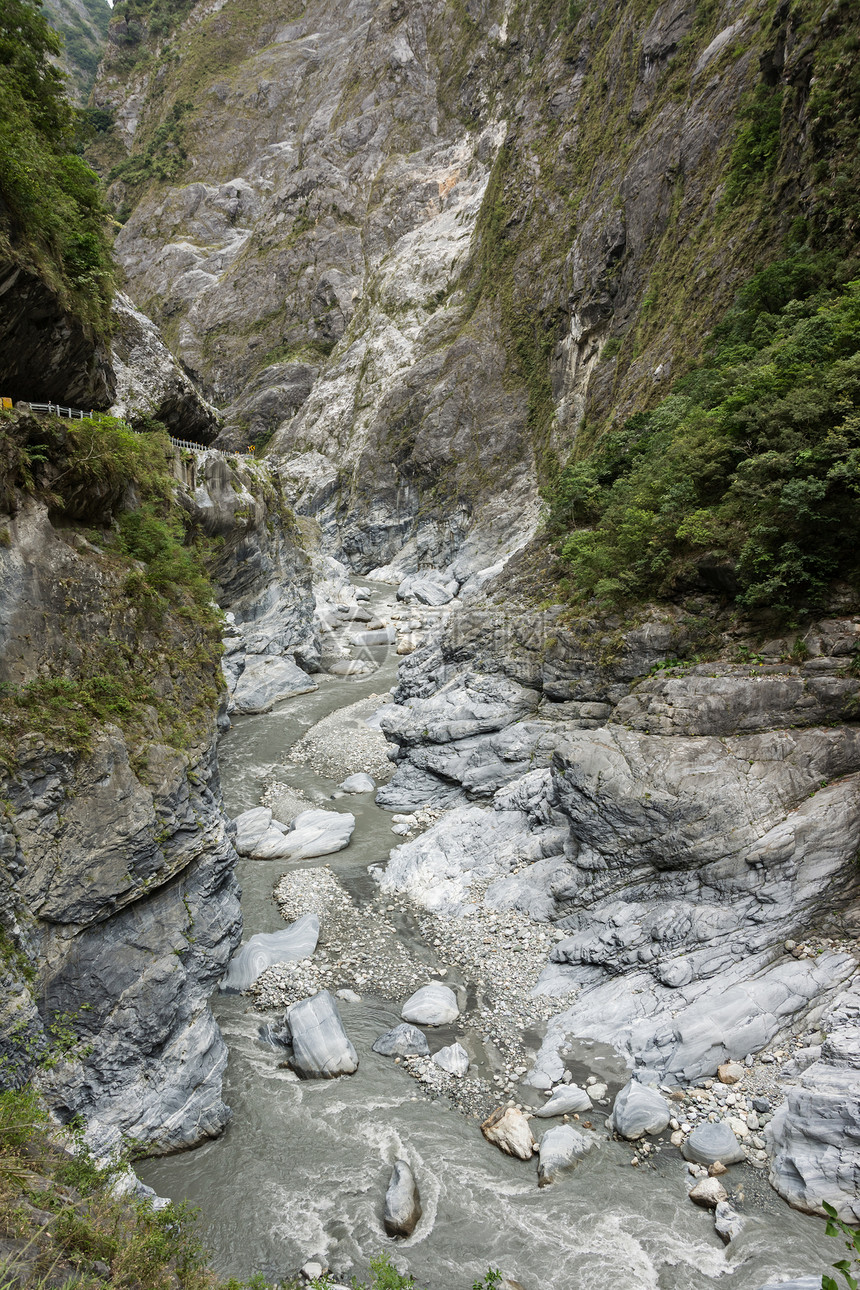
point(312, 1271)
point(730, 1073)
point(708, 1193)
point(717, 1169)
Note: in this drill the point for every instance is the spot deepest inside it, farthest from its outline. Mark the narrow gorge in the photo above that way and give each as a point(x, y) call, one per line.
point(430, 643)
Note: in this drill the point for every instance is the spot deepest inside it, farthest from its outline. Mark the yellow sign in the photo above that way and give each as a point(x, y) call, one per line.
point(6, 404)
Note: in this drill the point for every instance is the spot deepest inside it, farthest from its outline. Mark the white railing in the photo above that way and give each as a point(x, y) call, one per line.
point(77, 414)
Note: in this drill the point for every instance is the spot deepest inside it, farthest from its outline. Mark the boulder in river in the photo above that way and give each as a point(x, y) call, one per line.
point(432, 1005)
point(321, 1049)
point(298, 941)
point(429, 587)
point(250, 827)
point(402, 1201)
point(508, 1129)
point(403, 1041)
point(728, 1223)
point(639, 1110)
point(568, 1099)
point(708, 1192)
point(359, 783)
point(266, 680)
point(454, 1058)
point(560, 1148)
point(312, 833)
point(711, 1142)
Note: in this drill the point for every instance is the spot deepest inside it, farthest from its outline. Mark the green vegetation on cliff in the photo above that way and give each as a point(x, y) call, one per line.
point(151, 666)
point(749, 469)
point(61, 1222)
point(52, 218)
point(745, 478)
point(83, 27)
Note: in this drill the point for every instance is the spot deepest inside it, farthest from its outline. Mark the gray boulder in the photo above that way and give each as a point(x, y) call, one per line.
point(321, 1049)
point(429, 587)
point(298, 941)
point(639, 1110)
point(728, 1223)
point(402, 1201)
point(568, 1099)
point(709, 1143)
point(454, 1058)
point(312, 833)
point(266, 680)
point(432, 1005)
point(360, 783)
point(251, 826)
point(404, 1040)
point(560, 1148)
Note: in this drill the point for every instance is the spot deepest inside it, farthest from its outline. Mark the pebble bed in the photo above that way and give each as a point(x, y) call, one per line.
point(357, 951)
point(342, 744)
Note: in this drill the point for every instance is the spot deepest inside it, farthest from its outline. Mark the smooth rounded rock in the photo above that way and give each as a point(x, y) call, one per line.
point(312, 833)
point(730, 1073)
point(359, 783)
point(321, 1049)
point(296, 942)
point(560, 1148)
point(266, 680)
point(711, 1142)
point(402, 1201)
point(508, 1129)
point(454, 1058)
point(639, 1110)
point(570, 1099)
point(432, 1005)
point(403, 1041)
point(250, 827)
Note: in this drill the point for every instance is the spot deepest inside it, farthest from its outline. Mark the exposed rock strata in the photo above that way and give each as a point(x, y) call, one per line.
point(392, 238)
point(150, 383)
point(683, 829)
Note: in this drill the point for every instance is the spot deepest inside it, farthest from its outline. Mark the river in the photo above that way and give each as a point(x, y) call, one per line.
point(302, 1169)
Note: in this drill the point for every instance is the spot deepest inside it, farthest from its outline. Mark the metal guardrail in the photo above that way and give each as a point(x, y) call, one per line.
point(77, 414)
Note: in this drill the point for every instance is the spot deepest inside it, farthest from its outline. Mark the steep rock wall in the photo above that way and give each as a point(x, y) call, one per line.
point(400, 237)
point(120, 904)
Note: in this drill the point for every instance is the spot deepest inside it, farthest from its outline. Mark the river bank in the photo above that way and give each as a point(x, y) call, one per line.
point(302, 1170)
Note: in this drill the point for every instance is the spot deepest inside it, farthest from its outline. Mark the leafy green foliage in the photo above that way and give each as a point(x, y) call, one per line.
point(753, 460)
point(157, 656)
point(54, 218)
point(848, 1269)
point(756, 149)
point(142, 1248)
point(164, 156)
